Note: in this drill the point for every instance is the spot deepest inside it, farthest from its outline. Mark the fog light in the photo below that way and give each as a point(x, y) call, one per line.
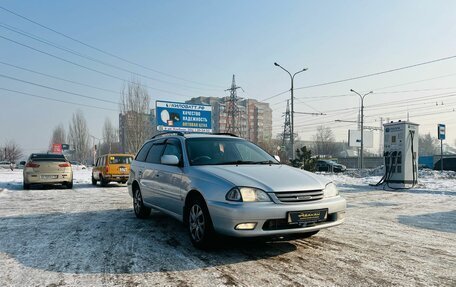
point(246, 226)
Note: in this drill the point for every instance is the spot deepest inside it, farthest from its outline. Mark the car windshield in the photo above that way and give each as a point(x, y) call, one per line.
point(120, 159)
point(224, 151)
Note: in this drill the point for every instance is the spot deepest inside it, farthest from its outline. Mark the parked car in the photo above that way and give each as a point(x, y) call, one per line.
point(77, 165)
point(111, 167)
point(21, 164)
point(47, 168)
point(228, 185)
point(329, 166)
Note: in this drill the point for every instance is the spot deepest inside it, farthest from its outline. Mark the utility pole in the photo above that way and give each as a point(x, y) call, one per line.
point(362, 124)
point(292, 105)
point(232, 110)
point(286, 136)
point(380, 147)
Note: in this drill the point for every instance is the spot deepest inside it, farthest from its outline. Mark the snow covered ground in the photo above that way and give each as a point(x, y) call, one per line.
point(89, 236)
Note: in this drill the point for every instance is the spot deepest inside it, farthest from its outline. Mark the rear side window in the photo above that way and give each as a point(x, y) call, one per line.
point(120, 159)
point(155, 153)
point(142, 154)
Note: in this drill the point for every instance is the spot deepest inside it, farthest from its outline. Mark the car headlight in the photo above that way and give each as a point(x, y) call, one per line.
point(331, 190)
point(247, 194)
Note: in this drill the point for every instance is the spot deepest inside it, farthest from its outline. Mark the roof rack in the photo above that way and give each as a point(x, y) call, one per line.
point(225, 134)
point(167, 133)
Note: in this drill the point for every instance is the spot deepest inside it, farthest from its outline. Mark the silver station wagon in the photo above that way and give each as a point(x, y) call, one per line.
point(223, 184)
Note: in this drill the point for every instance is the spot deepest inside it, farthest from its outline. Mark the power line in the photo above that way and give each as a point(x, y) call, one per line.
point(105, 52)
point(56, 100)
point(88, 68)
point(58, 90)
point(42, 40)
point(378, 73)
point(380, 106)
point(58, 78)
point(276, 95)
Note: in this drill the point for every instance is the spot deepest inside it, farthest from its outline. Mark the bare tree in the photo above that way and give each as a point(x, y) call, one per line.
point(134, 109)
point(11, 151)
point(78, 137)
point(428, 145)
point(109, 137)
point(324, 141)
point(58, 135)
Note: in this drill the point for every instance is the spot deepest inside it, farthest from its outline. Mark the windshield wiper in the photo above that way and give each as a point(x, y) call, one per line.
point(246, 162)
point(237, 162)
point(266, 162)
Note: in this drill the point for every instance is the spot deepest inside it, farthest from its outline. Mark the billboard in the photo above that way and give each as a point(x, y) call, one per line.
point(172, 116)
point(354, 138)
point(56, 148)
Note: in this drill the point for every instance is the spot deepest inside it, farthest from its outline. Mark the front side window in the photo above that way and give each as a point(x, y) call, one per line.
point(220, 151)
point(173, 148)
point(155, 153)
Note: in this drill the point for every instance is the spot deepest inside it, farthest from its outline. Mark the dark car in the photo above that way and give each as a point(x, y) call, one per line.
point(329, 166)
point(448, 164)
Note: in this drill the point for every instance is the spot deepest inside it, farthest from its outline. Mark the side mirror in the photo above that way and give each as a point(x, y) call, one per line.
point(277, 158)
point(22, 163)
point(170, 160)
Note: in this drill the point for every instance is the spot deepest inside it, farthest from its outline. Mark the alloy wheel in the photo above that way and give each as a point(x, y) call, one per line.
point(197, 223)
point(137, 202)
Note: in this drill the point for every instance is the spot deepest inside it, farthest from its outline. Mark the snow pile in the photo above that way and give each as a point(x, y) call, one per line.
point(429, 181)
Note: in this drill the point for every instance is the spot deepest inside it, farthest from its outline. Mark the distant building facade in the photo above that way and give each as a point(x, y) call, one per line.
point(129, 123)
point(254, 121)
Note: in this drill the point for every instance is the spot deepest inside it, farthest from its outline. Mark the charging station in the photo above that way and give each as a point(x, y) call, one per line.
point(400, 154)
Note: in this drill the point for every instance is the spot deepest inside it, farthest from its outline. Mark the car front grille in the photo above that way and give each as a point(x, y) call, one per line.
point(299, 196)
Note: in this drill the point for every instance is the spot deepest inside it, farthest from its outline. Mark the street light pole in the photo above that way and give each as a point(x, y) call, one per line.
point(292, 105)
point(362, 123)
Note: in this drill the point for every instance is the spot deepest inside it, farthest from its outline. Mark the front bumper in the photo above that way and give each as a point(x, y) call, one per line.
point(271, 218)
point(47, 178)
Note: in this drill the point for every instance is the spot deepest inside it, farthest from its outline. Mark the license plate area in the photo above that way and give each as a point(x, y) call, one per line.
point(49, 176)
point(307, 216)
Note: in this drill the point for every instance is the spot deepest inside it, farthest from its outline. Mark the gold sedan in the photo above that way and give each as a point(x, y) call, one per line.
point(48, 168)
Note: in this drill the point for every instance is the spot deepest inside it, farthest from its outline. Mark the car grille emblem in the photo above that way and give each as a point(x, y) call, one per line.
point(304, 197)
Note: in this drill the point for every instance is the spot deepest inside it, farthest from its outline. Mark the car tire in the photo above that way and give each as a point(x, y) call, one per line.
point(26, 186)
point(103, 182)
point(94, 181)
point(141, 211)
point(69, 185)
point(200, 228)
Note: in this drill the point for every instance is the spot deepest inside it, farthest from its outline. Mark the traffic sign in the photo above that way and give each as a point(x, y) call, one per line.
point(441, 131)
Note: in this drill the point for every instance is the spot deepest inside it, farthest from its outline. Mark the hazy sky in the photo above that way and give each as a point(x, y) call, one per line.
point(205, 42)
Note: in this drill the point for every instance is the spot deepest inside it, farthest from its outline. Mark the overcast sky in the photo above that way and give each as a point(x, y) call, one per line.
point(192, 48)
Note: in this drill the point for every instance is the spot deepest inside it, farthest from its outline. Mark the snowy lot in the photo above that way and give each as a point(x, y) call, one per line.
point(89, 236)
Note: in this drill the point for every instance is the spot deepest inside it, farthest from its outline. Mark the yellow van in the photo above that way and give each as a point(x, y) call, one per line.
point(111, 167)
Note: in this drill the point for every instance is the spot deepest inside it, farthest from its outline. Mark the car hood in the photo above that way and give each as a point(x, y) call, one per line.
point(267, 177)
